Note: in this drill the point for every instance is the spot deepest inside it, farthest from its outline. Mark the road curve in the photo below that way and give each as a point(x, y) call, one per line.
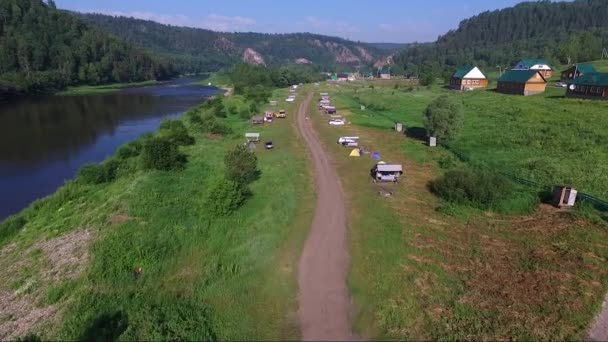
point(323, 297)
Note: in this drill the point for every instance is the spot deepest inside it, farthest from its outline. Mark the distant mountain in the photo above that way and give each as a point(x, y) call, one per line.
point(390, 47)
point(557, 31)
point(42, 48)
point(196, 50)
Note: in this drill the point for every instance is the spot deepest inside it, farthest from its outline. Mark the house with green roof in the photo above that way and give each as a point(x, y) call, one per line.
point(468, 78)
point(590, 86)
point(384, 74)
point(539, 64)
point(576, 71)
point(522, 82)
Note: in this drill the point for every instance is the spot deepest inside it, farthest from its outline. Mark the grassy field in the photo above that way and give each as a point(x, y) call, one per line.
point(422, 268)
point(107, 88)
point(141, 259)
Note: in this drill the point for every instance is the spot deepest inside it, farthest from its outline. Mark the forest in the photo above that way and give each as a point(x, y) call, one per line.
point(195, 50)
point(557, 31)
point(44, 49)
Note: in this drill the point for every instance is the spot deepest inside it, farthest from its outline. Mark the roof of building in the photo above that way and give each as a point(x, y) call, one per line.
point(462, 71)
point(530, 62)
point(584, 68)
point(518, 76)
point(592, 79)
point(257, 118)
point(389, 168)
point(384, 71)
point(252, 135)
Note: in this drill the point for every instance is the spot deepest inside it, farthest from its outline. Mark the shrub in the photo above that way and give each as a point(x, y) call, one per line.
point(241, 165)
point(443, 119)
point(195, 119)
point(225, 197)
point(177, 132)
point(481, 189)
point(254, 108)
point(11, 227)
point(213, 125)
point(99, 173)
point(129, 150)
point(162, 153)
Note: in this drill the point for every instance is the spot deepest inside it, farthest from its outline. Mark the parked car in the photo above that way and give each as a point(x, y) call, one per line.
point(281, 114)
point(268, 145)
point(291, 99)
point(337, 122)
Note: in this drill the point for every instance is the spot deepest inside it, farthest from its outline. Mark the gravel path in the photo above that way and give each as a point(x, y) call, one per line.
point(324, 301)
point(599, 330)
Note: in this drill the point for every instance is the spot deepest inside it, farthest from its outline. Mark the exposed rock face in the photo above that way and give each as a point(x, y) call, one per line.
point(223, 44)
point(342, 53)
point(303, 61)
point(316, 43)
point(250, 56)
point(365, 55)
point(381, 63)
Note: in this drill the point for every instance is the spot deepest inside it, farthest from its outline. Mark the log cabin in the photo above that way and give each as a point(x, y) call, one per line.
point(593, 86)
point(576, 71)
point(522, 82)
point(467, 78)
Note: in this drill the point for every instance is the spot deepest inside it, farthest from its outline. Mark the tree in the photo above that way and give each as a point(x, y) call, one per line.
point(241, 166)
point(443, 119)
point(161, 153)
point(225, 197)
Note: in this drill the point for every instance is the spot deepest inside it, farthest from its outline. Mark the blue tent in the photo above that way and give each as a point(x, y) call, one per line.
point(376, 155)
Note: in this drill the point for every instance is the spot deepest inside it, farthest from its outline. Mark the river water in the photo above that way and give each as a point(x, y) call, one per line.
point(44, 141)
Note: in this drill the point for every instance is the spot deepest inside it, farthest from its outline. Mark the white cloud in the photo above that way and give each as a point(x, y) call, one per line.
point(331, 25)
point(214, 22)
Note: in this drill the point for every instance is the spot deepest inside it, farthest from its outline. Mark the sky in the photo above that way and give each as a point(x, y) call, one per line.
point(393, 21)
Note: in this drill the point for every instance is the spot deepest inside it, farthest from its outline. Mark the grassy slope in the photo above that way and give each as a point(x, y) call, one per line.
point(106, 88)
point(235, 275)
point(424, 269)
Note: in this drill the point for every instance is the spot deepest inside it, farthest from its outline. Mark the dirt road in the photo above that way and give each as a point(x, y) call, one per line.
point(599, 329)
point(324, 301)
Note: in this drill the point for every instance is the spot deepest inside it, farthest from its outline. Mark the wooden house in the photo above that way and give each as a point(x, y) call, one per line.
point(342, 77)
point(467, 77)
point(592, 86)
point(576, 71)
point(540, 65)
point(522, 82)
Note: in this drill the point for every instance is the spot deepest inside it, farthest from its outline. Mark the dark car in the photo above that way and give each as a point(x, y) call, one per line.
point(268, 145)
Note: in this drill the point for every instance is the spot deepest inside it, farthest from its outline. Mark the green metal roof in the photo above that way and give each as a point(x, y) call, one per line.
point(462, 71)
point(517, 76)
point(530, 62)
point(383, 71)
point(586, 68)
point(592, 79)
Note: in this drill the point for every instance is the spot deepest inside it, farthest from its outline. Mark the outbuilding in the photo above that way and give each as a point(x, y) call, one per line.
point(384, 74)
point(522, 82)
point(382, 172)
point(592, 86)
point(576, 71)
point(257, 120)
point(540, 65)
point(252, 137)
point(467, 78)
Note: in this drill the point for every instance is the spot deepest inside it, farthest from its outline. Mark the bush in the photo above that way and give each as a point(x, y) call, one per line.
point(225, 197)
point(11, 227)
point(161, 153)
point(482, 189)
point(443, 119)
point(177, 132)
point(241, 166)
point(195, 119)
point(213, 125)
point(99, 173)
point(130, 150)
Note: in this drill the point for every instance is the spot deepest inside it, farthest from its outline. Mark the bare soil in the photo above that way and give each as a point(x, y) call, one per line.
point(324, 301)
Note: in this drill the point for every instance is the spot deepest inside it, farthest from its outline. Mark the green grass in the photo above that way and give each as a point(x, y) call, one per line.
point(107, 88)
point(422, 268)
point(229, 278)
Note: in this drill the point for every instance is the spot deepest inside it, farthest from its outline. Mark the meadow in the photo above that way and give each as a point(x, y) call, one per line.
point(425, 268)
point(141, 257)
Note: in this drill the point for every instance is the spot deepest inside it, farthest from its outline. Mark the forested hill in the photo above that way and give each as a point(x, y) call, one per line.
point(196, 50)
point(551, 30)
point(42, 48)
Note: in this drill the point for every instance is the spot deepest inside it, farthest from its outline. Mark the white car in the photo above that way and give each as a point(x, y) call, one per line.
point(291, 99)
point(337, 122)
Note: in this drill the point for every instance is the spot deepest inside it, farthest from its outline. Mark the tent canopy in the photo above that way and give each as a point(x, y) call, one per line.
point(355, 153)
point(376, 155)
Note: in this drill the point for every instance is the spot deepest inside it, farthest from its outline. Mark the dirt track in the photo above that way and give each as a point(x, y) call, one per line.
point(324, 300)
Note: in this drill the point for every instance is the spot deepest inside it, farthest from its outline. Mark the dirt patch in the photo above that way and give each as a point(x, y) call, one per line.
point(19, 316)
point(214, 136)
point(118, 219)
point(67, 255)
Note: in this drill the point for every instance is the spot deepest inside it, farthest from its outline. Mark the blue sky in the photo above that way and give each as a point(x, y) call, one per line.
point(399, 21)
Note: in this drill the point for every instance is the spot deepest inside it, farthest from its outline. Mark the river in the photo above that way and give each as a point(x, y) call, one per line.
point(44, 141)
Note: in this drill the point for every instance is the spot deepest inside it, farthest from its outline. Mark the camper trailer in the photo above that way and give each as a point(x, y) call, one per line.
point(268, 116)
point(382, 172)
point(349, 141)
point(330, 110)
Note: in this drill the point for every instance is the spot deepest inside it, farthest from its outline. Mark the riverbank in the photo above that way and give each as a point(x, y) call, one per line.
point(106, 88)
point(141, 258)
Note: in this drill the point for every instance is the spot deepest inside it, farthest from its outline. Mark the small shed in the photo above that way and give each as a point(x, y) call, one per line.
point(386, 172)
point(522, 82)
point(252, 137)
point(576, 71)
point(564, 196)
point(593, 86)
point(257, 120)
point(398, 127)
